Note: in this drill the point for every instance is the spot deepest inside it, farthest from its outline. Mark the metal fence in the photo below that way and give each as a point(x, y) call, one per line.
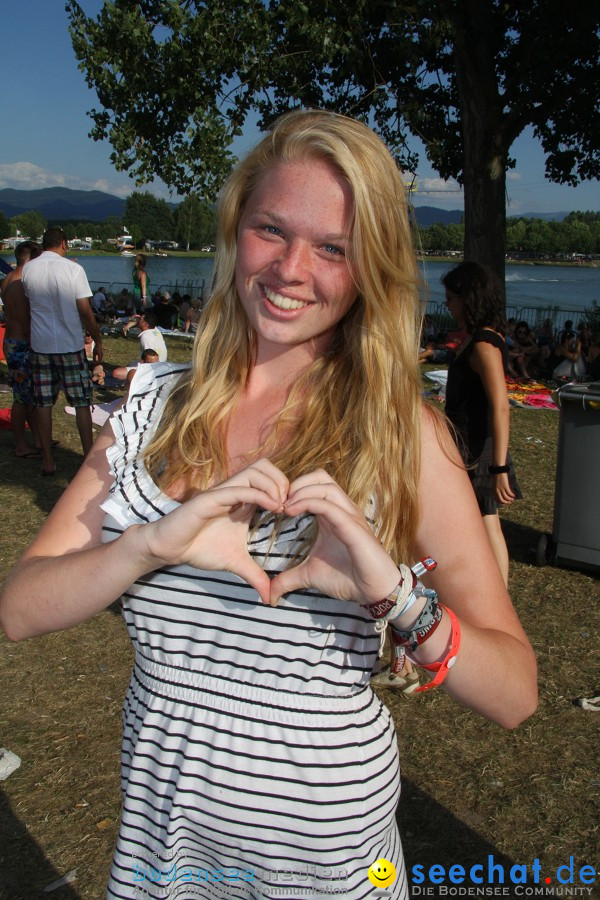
point(535, 316)
point(193, 288)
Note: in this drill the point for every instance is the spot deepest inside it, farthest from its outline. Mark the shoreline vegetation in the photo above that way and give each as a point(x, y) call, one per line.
point(422, 257)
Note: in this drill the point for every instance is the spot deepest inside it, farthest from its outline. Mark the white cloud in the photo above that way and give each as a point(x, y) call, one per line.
point(27, 176)
point(24, 175)
point(437, 187)
point(513, 176)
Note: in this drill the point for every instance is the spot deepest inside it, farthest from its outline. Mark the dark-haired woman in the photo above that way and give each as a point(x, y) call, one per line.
point(141, 283)
point(476, 397)
point(526, 342)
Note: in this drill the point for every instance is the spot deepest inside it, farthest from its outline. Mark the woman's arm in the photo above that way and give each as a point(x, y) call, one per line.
point(495, 672)
point(566, 353)
point(486, 360)
point(143, 283)
point(67, 574)
point(529, 346)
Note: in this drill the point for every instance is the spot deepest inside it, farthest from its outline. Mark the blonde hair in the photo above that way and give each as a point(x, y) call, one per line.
point(355, 411)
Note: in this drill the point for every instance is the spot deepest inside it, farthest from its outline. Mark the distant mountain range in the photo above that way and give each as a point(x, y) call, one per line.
point(60, 203)
point(432, 215)
point(63, 204)
point(547, 217)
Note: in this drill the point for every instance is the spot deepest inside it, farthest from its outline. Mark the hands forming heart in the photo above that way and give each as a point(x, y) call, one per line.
point(210, 531)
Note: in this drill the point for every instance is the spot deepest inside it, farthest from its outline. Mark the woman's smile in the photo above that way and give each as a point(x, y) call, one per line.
point(281, 302)
point(293, 274)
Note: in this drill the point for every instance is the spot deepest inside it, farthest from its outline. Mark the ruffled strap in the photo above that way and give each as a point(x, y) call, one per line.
point(134, 498)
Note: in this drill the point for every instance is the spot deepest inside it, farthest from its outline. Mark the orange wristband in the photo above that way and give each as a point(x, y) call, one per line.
point(441, 668)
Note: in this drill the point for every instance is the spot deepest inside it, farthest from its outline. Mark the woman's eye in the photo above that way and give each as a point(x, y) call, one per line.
point(271, 229)
point(333, 249)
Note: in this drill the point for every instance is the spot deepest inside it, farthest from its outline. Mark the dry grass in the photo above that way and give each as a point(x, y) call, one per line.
point(470, 788)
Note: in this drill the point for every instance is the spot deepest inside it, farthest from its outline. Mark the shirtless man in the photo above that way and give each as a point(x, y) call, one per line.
point(17, 351)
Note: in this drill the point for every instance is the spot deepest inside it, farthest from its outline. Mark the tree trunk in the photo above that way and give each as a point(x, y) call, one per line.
point(484, 165)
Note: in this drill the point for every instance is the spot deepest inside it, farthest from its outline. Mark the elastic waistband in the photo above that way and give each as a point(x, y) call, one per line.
point(189, 685)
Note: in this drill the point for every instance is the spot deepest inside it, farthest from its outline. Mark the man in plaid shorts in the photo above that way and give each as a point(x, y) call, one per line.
point(59, 298)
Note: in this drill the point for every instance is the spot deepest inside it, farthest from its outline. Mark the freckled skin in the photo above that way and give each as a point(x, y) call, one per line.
point(294, 241)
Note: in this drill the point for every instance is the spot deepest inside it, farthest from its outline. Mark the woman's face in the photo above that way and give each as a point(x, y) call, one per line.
point(293, 270)
point(455, 305)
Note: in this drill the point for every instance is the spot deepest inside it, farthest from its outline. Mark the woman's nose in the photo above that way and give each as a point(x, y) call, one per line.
point(293, 263)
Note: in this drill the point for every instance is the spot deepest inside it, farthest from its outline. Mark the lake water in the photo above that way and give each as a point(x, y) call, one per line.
point(528, 287)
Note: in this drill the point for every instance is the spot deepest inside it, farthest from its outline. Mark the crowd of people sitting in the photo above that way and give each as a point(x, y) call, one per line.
point(564, 354)
point(176, 312)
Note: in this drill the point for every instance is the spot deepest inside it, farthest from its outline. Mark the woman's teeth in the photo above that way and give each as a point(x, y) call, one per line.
point(283, 302)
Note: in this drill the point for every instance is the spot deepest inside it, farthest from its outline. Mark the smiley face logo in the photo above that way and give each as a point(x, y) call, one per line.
point(382, 873)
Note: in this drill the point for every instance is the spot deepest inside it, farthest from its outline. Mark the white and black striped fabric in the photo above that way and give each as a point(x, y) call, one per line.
point(256, 762)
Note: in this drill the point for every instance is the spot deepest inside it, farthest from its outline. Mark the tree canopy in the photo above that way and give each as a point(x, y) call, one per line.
point(148, 217)
point(31, 224)
point(195, 223)
point(578, 234)
point(5, 229)
point(177, 78)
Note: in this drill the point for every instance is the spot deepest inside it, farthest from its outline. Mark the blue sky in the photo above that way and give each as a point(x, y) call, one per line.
point(44, 139)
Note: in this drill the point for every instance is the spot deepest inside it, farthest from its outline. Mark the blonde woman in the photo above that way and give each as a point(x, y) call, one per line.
point(256, 513)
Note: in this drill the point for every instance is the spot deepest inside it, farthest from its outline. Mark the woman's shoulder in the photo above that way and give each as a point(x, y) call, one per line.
point(485, 337)
point(134, 497)
point(152, 378)
point(488, 336)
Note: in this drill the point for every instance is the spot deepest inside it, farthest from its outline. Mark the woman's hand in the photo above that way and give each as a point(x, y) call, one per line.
point(210, 531)
point(504, 493)
point(347, 561)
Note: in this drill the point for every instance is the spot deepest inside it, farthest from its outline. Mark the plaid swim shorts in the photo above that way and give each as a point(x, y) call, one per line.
point(17, 354)
point(53, 371)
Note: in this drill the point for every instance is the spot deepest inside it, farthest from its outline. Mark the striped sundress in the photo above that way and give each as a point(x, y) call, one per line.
point(256, 760)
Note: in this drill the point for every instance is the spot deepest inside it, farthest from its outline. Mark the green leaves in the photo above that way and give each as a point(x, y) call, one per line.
point(164, 73)
point(148, 217)
point(195, 223)
point(177, 79)
point(31, 224)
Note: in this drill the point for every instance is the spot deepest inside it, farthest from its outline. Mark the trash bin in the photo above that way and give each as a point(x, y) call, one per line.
point(575, 539)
